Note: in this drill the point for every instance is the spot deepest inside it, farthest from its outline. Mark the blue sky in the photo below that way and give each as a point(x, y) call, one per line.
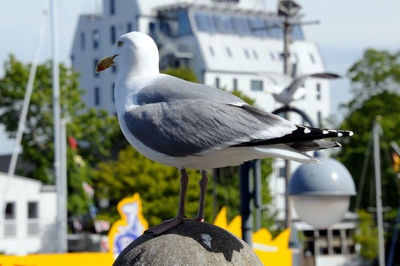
point(346, 29)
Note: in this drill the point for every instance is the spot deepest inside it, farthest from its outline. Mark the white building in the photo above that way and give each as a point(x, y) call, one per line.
point(27, 220)
point(228, 43)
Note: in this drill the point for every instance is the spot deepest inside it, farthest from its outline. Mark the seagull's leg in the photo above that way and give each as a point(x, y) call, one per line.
point(180, 217)
point(203, 188)
point(182, 193)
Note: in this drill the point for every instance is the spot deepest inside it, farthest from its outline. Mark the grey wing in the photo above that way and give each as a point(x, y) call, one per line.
point(298, 81)
point(167, 88)
point(190, 127)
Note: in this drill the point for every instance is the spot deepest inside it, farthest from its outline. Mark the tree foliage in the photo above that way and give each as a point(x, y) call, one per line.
point(181, 72)
point(375, 83)
point(96, 132)
point(374, 73)
point(367, 236)
point(158, 186)
point(384, 105)
point(376, 87)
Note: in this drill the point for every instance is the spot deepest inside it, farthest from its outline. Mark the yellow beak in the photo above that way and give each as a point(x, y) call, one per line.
point(105, 63)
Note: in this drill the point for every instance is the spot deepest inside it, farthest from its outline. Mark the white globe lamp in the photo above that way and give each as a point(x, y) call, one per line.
point(321, 192)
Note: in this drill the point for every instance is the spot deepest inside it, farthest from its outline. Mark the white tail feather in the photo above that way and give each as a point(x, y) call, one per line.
point(285, 152)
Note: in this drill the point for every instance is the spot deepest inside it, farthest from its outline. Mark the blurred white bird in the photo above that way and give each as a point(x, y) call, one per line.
point(293, 89)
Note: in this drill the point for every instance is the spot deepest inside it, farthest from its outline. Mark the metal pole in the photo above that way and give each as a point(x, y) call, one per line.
point(286, 31)
point(22, 118)
point(61, 242)
point(257, 192)
point(245, 207)
point(377, 130)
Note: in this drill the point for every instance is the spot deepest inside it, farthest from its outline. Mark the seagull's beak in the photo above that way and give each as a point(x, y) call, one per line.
point(105, 63)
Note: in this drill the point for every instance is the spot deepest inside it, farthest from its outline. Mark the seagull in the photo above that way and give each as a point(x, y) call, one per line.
point(294, 91)
point(189, 125)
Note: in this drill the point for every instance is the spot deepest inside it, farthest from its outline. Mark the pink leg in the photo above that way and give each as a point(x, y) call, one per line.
point(180, 217)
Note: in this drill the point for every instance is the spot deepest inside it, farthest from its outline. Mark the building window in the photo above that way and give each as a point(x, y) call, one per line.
point(282, 172)
point(33, 212)
point(319, 118)
point(129, 27)
point(113, 34)
point(312, 58)
point(246, 53)
point(211, 51)
point(94, 68)
point(184, 26)
point(83, 41)
point(318, 91)
point(257, 85)
point(152, 27)
point(271, 54)
point(112, 7)
point(113, 92)
point(235, 84)
point(255, 54)
point(97, 96)
point(96, 39)
point(10, 211)
point(228, 51)
point(217, 82)
point(33, 218)
point(10, 225)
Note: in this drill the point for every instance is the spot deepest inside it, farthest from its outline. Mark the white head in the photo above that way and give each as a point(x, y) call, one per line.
point(135, 53)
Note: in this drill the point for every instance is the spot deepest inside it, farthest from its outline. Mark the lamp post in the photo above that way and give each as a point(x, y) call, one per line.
point(321, 192)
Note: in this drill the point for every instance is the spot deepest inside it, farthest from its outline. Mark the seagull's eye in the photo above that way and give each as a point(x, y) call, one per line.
point(119, 43)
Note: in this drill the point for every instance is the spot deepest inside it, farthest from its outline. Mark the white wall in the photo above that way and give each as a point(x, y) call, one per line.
point(22, 190)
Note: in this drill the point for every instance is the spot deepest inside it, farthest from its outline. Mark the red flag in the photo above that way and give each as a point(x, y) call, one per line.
point(72, 143)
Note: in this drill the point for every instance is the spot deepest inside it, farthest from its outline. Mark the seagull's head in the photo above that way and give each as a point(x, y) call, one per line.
point(134, 52)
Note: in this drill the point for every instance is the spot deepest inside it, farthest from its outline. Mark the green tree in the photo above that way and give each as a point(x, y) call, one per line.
point(158, 186)
point(375, 72)
point(181, 72)
point(367, 236)
point(384, 105)
point(96, 132)
point(375, 83)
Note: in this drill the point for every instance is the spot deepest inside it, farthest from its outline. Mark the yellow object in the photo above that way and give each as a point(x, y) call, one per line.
point(119, 226)
point(87, 259)
point(270, 251)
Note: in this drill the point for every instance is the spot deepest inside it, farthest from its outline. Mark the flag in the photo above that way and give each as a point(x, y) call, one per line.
point(72, 143)
point(101, 226)
point(88, 189)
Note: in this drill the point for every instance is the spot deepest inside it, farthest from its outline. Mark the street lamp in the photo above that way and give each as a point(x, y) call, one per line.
point(321, 192)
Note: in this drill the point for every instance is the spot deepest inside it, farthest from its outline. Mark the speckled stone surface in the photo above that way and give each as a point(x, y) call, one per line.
point(190, 243)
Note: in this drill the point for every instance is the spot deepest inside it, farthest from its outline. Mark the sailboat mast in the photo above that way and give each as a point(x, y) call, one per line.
point(61, 219)
point(377, 131)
